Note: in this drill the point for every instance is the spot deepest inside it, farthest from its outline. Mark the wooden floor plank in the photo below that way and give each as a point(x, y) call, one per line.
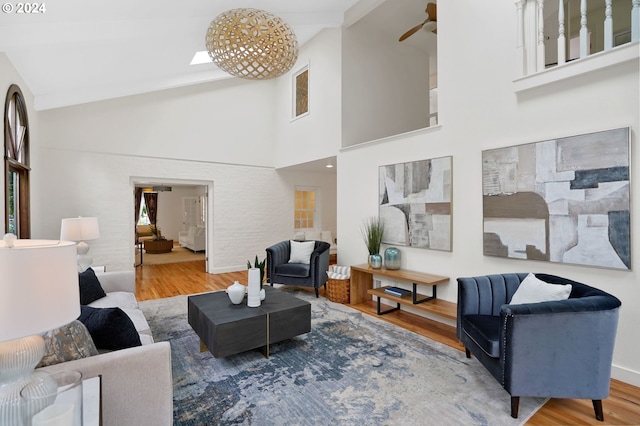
point(622, 407)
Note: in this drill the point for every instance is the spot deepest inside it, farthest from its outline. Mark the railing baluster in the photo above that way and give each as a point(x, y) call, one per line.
point(562, 49)
point(584, 33)
point(608, 25)
point(520, 52)
point(540, 60)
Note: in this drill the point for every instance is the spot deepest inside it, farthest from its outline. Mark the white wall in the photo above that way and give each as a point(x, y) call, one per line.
point(229, 121)
point(93, 184)
point(479, 110)
point(385, 86)
point(170, 217)
point(326, 184)
point(316, 135)
point(221, 137)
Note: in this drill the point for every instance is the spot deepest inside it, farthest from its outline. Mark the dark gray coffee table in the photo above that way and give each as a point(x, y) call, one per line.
point(226, 329)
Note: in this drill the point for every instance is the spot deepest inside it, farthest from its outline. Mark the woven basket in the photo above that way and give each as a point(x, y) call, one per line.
point(338, 290)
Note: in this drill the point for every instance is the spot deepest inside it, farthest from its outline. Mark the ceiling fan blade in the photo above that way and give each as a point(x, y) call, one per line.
point(432, 12)
point(412, 31)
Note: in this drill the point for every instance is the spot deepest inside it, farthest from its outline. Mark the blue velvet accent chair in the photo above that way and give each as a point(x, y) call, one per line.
point(558, 349)
point(314, 274)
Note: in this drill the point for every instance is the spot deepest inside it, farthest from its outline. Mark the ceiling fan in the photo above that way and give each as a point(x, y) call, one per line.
point(429, 24)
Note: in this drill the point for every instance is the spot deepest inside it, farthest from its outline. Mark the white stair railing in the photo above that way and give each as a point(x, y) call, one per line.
point(530, 49)
point(608, 25)
point(562, 50)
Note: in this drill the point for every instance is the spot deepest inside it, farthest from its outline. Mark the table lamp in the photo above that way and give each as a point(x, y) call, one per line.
point(38, 292)
point(81, 229)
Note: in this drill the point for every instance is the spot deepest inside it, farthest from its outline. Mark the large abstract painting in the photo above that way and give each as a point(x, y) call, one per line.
point(415, 203)
point(563, 200)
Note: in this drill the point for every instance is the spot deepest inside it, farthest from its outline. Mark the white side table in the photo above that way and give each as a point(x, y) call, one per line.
point(92, 401)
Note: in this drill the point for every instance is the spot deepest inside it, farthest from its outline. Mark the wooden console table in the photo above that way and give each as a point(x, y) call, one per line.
point(158, 246)
point(361, 289)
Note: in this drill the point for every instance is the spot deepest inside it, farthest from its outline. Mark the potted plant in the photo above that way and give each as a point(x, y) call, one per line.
point(259, 265)
point(372, 232)
point(155, 231)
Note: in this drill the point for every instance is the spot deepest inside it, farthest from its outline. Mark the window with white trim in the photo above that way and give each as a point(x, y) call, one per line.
point(305, 208)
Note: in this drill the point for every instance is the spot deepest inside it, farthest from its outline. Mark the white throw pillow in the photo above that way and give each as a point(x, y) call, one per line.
point(533, 290)
point(301, 251)
point(343, 270)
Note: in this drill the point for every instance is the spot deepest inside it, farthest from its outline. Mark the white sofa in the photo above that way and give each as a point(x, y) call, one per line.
point(137, 386)
point(193, 239)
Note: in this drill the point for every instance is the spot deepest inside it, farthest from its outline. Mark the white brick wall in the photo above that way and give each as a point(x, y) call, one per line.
point(250, 208)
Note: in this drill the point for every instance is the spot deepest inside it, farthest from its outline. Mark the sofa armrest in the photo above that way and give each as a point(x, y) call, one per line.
point(570, 352)
point(117, 281)
point(277, 255)
point(137, 386)
point(320, 262)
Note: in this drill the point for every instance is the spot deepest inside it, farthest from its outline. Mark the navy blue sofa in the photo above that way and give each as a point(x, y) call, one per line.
point(558, 349)
point(314, 274)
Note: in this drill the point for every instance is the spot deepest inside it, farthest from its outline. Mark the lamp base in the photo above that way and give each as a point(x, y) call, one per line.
point(84, 260)
point(18, 358)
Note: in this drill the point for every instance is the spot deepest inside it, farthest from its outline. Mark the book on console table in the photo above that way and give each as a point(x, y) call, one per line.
point(397, 291)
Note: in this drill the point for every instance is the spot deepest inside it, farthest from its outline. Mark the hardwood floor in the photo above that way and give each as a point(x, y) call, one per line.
point(622, 407)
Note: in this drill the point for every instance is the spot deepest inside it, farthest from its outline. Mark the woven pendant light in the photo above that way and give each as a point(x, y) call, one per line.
point(252, 44)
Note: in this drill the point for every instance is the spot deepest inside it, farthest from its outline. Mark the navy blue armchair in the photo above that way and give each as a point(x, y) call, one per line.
point(314, 274)
point(558, 349)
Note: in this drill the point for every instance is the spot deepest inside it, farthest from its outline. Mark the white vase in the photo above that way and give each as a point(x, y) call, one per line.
point(263, 294)
point(253, 292)
point(236, 293)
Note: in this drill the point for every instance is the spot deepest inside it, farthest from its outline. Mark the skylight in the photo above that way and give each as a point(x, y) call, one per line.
point(201, 57)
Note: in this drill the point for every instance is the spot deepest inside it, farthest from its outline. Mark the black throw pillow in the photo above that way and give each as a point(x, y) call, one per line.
point(90, 288)
point(110, 328)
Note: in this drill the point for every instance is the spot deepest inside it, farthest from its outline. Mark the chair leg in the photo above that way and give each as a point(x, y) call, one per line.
point(317, 295)
point(515, 405)
point(597, 407)
point(467, 352)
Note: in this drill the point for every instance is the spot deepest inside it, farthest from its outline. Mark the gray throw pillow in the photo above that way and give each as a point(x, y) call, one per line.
point(69, 342)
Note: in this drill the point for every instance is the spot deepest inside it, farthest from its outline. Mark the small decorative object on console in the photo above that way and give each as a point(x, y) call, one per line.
point(397, 291)
point(372, 232)
point(375, 261)
point(392, 258)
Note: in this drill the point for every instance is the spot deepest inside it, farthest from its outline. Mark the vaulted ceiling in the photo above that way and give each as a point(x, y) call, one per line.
point(79, 51)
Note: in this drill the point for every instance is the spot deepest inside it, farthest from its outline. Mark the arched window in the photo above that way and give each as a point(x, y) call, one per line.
point(16, 164)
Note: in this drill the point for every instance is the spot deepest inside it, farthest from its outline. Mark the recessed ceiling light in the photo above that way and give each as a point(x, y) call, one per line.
point(201, 57)
point(329, 166)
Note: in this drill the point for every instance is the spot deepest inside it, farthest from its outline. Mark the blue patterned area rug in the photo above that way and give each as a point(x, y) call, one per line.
point(351, 369)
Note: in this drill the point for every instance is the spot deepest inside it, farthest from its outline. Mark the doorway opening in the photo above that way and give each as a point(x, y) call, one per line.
point(171, 219)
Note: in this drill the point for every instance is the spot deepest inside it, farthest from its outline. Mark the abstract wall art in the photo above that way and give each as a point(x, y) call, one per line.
point(563, 200)
point(301, 92)
point(415, 203)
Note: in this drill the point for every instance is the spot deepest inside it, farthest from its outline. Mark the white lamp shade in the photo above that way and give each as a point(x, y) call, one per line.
point(79, 229)
point(38, 287)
